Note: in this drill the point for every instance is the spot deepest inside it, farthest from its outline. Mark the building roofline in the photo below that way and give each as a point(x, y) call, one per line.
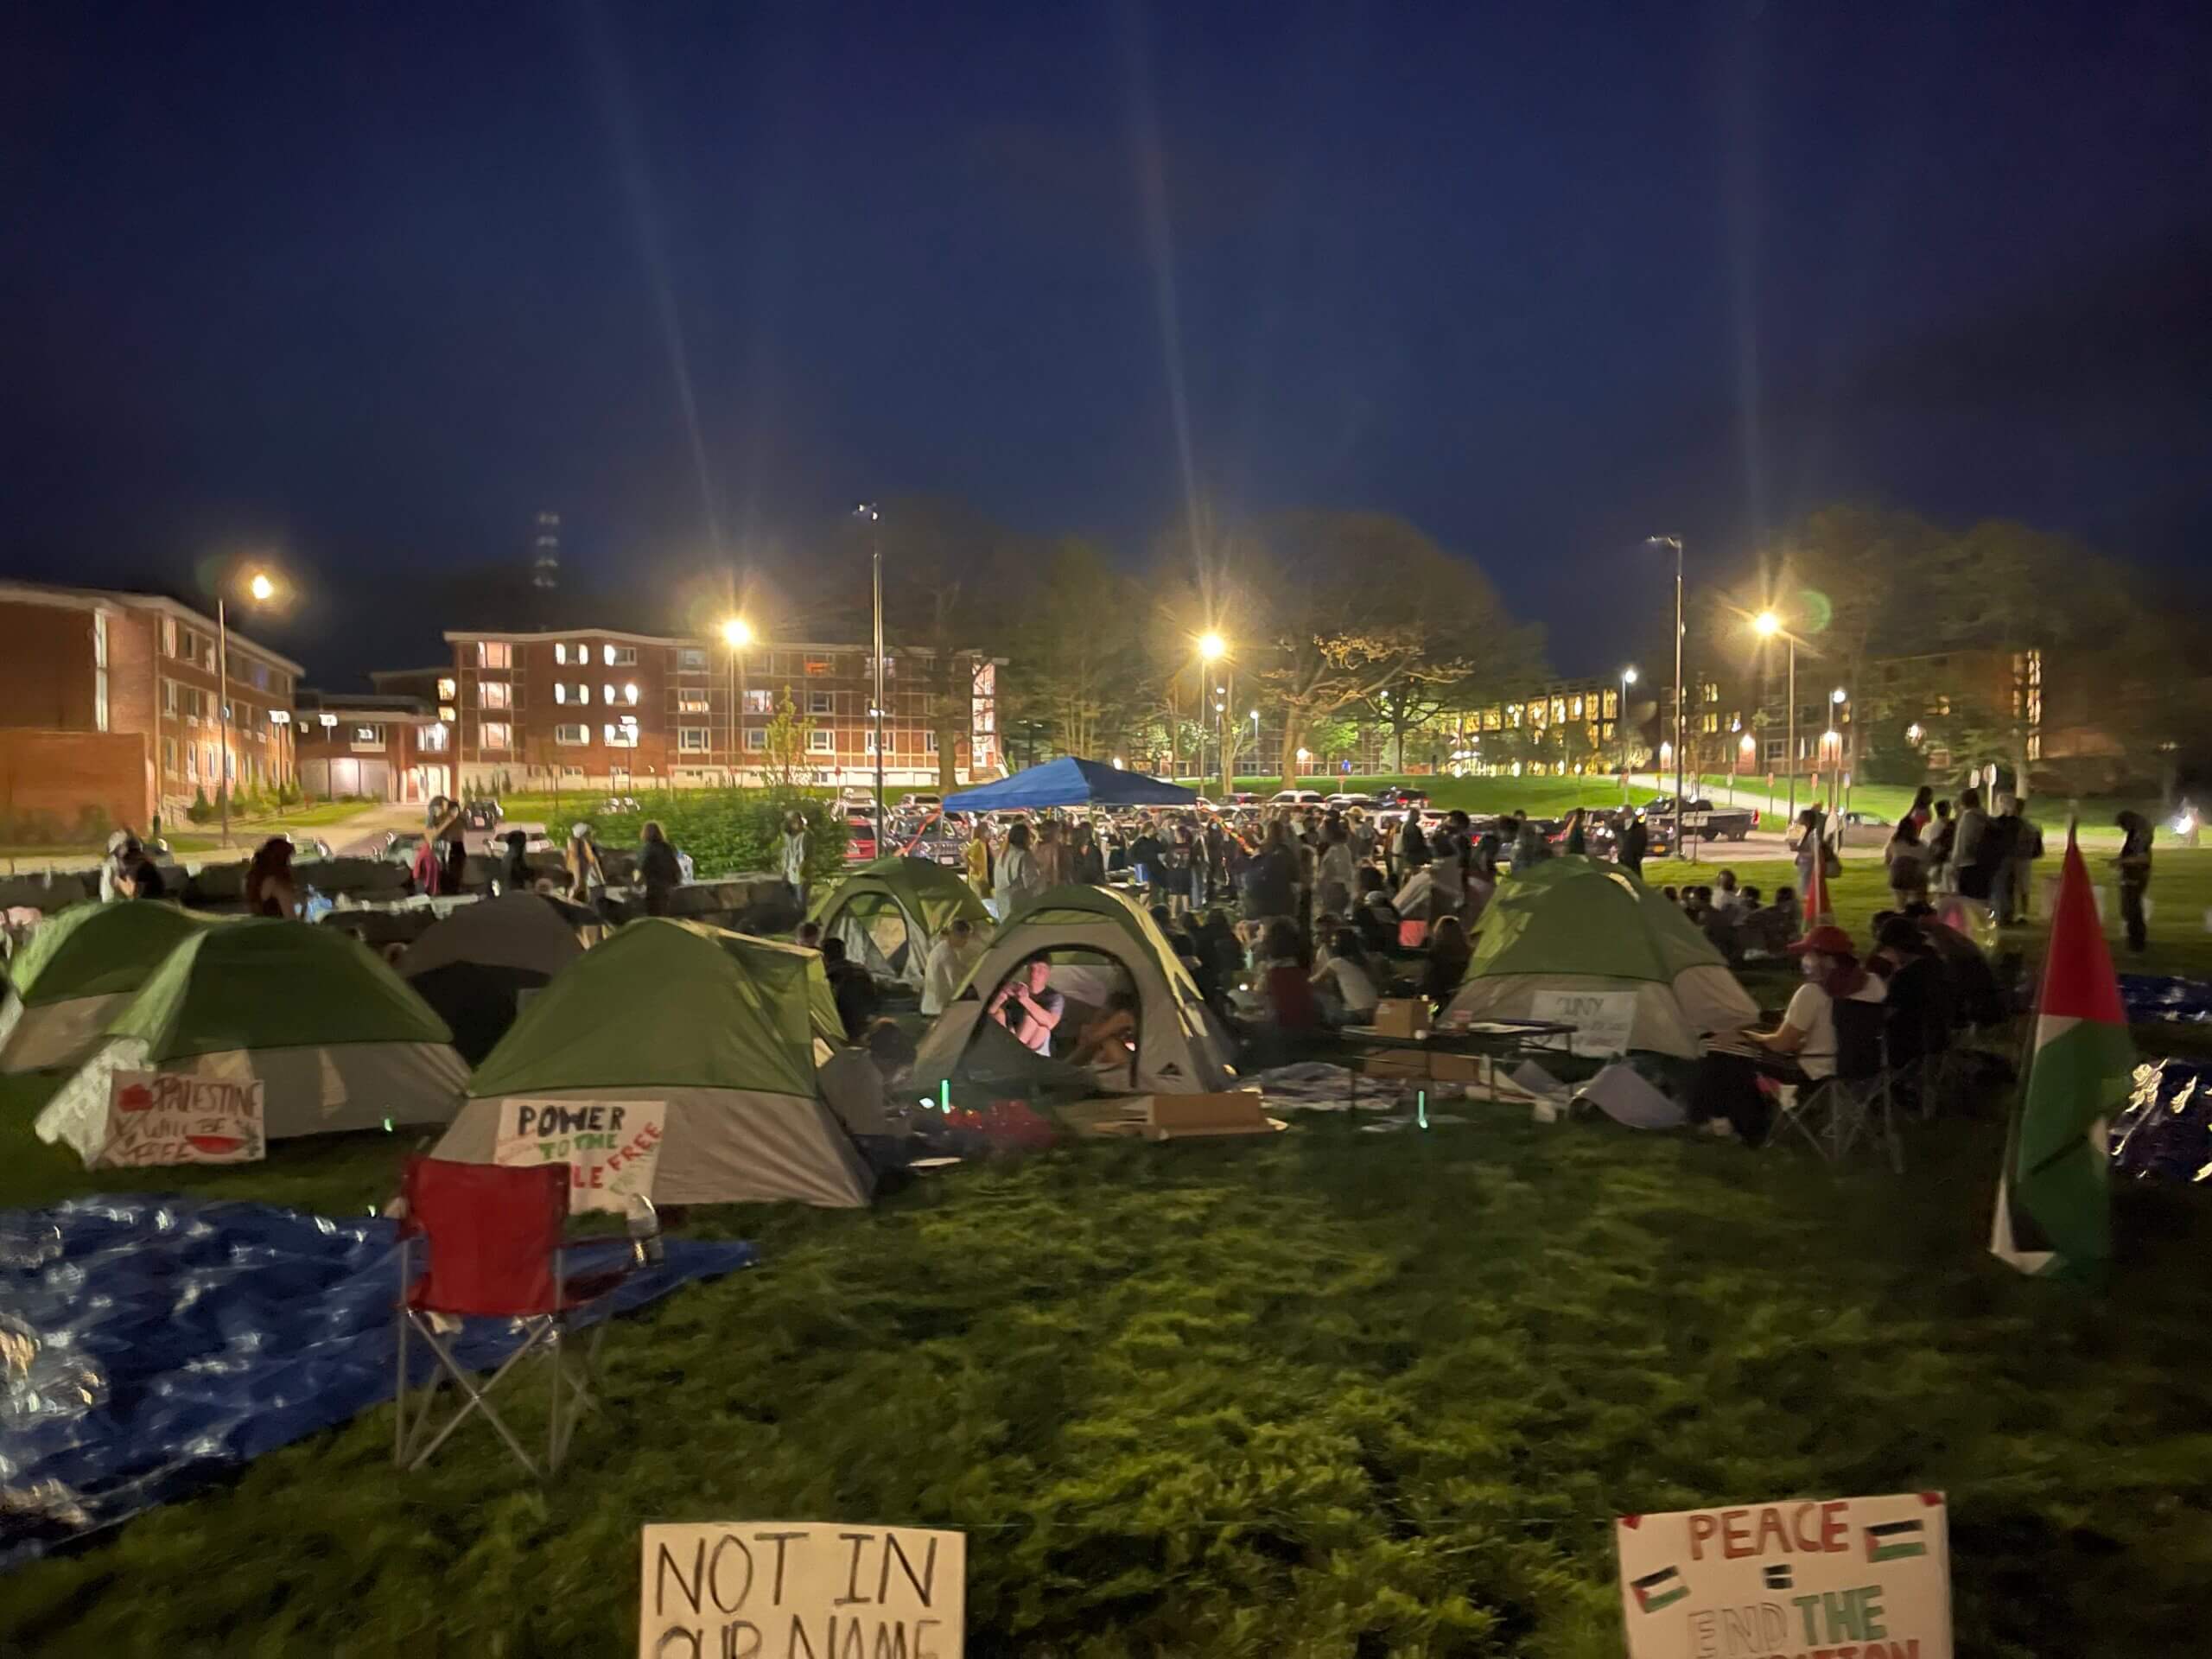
point(54, 594)
point(469, 636)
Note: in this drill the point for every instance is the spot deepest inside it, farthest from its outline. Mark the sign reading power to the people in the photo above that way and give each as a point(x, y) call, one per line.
point(1852, 1578)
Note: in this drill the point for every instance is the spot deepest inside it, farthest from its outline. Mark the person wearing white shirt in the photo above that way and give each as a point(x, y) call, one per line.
point(950, 962)
point(1341, 979)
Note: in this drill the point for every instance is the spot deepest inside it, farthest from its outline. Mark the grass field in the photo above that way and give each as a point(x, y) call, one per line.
point(1333, 1393)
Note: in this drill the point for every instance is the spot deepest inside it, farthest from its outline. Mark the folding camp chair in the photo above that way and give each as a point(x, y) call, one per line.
point(494, 1252)
point(1857, 1103)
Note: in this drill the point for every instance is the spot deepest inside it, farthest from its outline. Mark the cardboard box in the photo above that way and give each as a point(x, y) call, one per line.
point(1402, 1016)
point(1183, 1117)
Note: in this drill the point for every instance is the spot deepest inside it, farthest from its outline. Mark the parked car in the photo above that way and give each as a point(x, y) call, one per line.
point(1343, 802)
point(938, 842)
point(859, 838)
point(929, 802)
point(1703, 821)
point(484, 815)
point(1867, 821)
point(1401, 795)
point(1242, 798)
point(1296, 798)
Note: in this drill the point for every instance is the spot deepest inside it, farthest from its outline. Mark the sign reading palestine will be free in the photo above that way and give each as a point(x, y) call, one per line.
point(1851, 1577)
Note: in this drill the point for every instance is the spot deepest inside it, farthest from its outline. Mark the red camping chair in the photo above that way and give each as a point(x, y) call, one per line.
point(495, 1252)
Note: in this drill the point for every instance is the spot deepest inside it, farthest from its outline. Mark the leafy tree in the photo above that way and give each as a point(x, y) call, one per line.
point(784, 762)
point(1079, 654)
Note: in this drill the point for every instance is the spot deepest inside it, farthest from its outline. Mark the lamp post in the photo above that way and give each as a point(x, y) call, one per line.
point(1255, 739)
point(869, 511)
point(1839, 701)
point(1628, 678)
point(260, 590)
point(1212, 649)
point(1767, 624)
point(737, 634)
point(1675, 542)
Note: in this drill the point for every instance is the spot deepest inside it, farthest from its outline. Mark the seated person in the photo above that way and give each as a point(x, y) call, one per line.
point(1919, 992)
point(850, 985)
point(1671, 895)
point(1287, 999)
point(1373, 914)
point(1802, 1050)
point(808, 937)
point(1448, 956)
point(1340, 975)
point(1108, 1036)
point(1726, 896)
point(1028, 1007)
point(948, 965)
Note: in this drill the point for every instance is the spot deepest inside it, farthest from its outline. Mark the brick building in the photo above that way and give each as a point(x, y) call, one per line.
point(109, 703)
point(616, 710)
point(384, 746)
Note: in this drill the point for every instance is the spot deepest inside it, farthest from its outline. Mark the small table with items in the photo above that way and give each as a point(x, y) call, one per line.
point(1489, 1040)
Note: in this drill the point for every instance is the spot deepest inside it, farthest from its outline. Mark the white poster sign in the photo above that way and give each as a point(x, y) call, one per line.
point(611, 1147)
point(801, 1590)
point(167, 1117)
point(1602, 1019)
point(1852, 1578)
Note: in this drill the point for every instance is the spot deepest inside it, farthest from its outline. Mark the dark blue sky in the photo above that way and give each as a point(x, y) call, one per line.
point(374, 283)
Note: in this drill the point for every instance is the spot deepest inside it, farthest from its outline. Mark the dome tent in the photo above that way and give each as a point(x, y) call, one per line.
point(336, 1038)
point(890, 911)
point(727, 1029)
point(476, 966)
point(1180, 1048)
point(1577, 923)
point(77, 971)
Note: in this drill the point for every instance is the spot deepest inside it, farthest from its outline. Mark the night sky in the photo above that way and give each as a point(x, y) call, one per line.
point(371, 285)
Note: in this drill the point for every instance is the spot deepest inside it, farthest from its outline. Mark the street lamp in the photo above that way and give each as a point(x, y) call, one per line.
point(1766, 624)
point(873, 514)
point(737, 634)
point(1628, 678)
point(1682, 850)
point(260, 588)
point(1212, 648)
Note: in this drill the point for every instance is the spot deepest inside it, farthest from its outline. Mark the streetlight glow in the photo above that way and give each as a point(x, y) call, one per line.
point(260, 587)
point(1838, 694)
point(737, 633)
point(1211, 645)
point(1766, 624)
point(1628, 677)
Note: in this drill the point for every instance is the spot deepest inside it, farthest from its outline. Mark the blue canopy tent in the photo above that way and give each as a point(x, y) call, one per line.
point(1070, 782)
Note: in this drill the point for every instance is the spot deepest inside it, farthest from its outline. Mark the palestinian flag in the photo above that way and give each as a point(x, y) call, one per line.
point(2052, 1214)
point(1658, 1590)
point(1896, 1541)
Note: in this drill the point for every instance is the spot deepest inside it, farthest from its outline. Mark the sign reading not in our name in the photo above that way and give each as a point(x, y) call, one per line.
point(1851, 1577)
point(802, 1590)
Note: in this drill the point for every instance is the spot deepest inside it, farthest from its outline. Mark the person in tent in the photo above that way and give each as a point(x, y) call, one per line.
point(1802, 1050)
point(2134, 866)
point(269, 889)
point(1027, 1005)
point(849, 984)
point(792, 862)
point(950, 962)
point(1634, 843)
point(1342, 980)
point(1448, 956)
point(1109, 1035)
point(657, 871)
point(976, 858)
point(1019, 875)
point(582, 860)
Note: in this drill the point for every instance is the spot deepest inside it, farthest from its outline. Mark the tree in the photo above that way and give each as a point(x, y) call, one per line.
point(1078, 648)
point(783, 763)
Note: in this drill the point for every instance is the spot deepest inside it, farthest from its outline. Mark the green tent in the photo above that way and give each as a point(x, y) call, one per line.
point(335, 1037)
point(889, 913)
point(729, 1031)
point(1180, 1047)
point(1582, 926)
point(75, 973)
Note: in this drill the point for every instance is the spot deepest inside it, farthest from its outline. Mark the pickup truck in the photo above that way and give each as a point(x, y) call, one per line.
point(1703, 821)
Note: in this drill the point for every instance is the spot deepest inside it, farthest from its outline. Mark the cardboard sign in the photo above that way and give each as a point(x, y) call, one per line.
point(611, 1147)
point(801, 1590)
point(167, 1117)
point(1602, 1019)
point(1853, 1578)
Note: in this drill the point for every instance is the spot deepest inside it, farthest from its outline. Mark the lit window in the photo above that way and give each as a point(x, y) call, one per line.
point(169, 636)
point(757, 701)
point(495, 694)
point(621, 656)
point(493, 735)
point(630, 693)
point(819, 703)
point(448, 689)
point(447, 712)
point(431, 740)
point(620, 737)
point(928, 742)
point(560, 692)
point(561, 653)
point(572, 734)
point(820, 742)
point(692, 703)
point(494, 654)
point(692, 740)
point(372, 737)
point(607, 691)
point(1574, 708)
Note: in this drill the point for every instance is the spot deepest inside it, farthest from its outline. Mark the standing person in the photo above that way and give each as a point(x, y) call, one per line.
point(1447, 877)
point(1144, 854)
point(582, 860)
point(659, 873)
point(1578, 839)
point(1217, 857)
point(1635, 842)
point(1018, 874)
point(1529, 847)
point(269, 889)
point(1412, 847)
point(436, 871)
point(1922, 810)
point(1997, 841)
point(1907, 858)
point(1054, 867)
point(1942, 876)
point(515, 875)
point(1808, 846)
point(1336, 871)
point(1271, 878)
point(1970, 866)
point(1089, 863)
point(793, 859)
point(2134, 866)
point(1362, 836)
point(1482, 874)
point(976, 857)
point(950, 960)
point(2020, 873)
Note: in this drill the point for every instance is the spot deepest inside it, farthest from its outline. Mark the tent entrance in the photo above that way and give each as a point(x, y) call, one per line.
point(878, 937)
point(1100, 1032)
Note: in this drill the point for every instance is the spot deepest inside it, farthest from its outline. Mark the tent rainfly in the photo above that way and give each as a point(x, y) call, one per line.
point(1576, 924)
point(728, 1030)
point(75, 973)
point(1070, 782)
point(1181, 1048)
point(889, 913)
point(336, 1038)
point(479, 965)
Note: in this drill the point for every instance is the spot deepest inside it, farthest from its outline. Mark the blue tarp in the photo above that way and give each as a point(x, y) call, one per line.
point(2164, 1132)
point(1070, 782)
point(150, 1344)
point(2149, 999)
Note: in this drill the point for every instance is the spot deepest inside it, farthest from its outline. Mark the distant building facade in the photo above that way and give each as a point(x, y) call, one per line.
point(383, 746)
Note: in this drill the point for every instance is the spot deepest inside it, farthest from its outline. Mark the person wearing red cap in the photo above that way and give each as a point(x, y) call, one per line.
point(1801, 1051)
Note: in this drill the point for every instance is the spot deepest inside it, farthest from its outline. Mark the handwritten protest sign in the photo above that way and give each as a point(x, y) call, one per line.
point(1602, 1019)
point(611, 1147)
point(167, 1117)
point(802, 1590)
point(1852, 1578)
